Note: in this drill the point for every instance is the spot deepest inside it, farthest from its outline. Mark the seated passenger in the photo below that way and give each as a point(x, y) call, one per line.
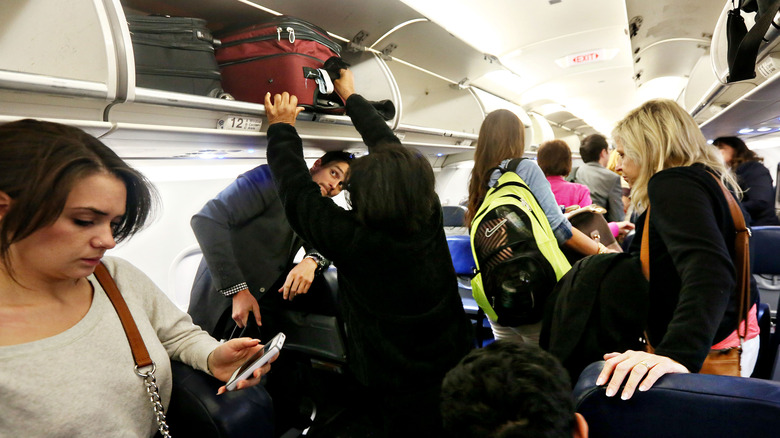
point(66, 367)
point(554, 158)
point(248, 248)
point(508, 389)
point(501, 138)
point(693, 294)
point(758, 195)
point(397, 288)
point(605, 189)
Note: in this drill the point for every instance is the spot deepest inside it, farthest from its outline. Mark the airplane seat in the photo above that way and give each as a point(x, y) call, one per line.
point(463, 262)
point(765, 265)
point(312, 324)
point(195, 408)
point(680, 406)
point(454, 219)
point(181, 275)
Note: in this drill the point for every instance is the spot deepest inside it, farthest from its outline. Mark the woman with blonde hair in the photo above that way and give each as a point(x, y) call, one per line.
point(502, 138)
point(693, 292)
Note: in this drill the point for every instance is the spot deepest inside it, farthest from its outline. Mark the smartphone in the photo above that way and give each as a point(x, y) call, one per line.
point(262, 357)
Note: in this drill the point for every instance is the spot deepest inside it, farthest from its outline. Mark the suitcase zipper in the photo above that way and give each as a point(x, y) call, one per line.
point(258, 58)
point(291, 35)
point(195, 45)
point(209, 74)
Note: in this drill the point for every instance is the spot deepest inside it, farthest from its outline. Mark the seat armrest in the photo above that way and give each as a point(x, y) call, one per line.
point(682, 405)
point(196, 409)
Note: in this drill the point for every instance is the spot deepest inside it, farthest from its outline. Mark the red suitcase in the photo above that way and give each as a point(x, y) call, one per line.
point(276, 56)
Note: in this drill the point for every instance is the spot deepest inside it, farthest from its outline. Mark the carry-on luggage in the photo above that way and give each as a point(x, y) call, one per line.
point(284, 54)
point(174, 54)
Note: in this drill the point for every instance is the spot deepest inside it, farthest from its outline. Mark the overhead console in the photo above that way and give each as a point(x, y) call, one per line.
point(748, 107)
point(76, 65)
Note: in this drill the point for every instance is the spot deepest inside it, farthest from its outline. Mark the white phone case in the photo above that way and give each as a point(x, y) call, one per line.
point(263, 356)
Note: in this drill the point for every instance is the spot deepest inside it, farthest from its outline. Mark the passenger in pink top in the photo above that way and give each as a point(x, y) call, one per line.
point(554, 157)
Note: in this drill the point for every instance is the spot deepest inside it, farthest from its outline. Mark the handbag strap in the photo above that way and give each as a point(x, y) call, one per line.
point(140, 353)
point(741, 249)
point(137, 346)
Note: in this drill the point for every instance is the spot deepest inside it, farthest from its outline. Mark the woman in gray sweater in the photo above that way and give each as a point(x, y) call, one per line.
point(66, 367)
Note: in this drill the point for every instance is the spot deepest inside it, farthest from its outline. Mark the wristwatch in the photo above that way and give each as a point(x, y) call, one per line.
point(319, 259)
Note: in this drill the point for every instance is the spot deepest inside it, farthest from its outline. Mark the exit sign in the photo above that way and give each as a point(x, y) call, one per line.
point(586, 57)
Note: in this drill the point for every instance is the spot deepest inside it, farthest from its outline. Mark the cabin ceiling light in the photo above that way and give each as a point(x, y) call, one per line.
point(462, 18)
point(549, 108)
point(764, 129)
point(746, 130)
point(667, 87)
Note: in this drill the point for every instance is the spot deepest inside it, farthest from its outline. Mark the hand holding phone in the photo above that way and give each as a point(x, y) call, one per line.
point(262, 357)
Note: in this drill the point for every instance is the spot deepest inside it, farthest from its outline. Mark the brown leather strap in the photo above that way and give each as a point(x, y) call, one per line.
point(742, 256)
point(644, 250)
point(741, 249)
point(140, 353)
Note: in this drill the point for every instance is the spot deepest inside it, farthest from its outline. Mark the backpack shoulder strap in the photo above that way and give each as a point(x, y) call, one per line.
point(512, 165)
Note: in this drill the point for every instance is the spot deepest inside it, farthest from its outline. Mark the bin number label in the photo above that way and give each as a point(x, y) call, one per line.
point(240, 123)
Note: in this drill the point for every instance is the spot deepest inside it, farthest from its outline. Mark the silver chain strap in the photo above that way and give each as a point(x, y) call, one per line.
point(154, 398)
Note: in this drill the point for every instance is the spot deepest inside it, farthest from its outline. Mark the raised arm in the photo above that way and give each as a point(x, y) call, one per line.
point(371, 126)
point(316, 219)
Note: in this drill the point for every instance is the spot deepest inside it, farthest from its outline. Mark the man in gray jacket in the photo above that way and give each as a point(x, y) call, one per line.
point(248, 247)
point(604, 185)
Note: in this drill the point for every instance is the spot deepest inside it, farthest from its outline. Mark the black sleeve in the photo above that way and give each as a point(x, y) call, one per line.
point(683, 212)
point(315, 218)
point(371, 126)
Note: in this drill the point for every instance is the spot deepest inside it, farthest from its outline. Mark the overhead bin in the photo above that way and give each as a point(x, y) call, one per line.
point(725, 108)
point(74, 63)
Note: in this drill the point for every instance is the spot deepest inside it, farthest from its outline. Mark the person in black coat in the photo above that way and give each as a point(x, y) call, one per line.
point(758, 195)
point(693, 295)
point(398, 293)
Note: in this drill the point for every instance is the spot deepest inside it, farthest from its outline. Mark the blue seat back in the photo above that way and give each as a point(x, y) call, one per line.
point(681, 406)
point(460, 251)
point(765, 250)
point(454, 215)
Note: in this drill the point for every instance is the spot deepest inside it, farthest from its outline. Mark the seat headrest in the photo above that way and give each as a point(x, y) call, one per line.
point(682, 405)
point(763, 245)
point(460, 251)
point(454, 215)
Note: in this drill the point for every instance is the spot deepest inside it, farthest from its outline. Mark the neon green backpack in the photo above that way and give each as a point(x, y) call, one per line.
point(517, 256)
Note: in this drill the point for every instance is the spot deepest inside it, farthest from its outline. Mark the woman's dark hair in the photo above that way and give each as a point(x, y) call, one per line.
point(741, 152)
point(554, 157)
point(40, 162)
point(501, 136)
point(392, 189)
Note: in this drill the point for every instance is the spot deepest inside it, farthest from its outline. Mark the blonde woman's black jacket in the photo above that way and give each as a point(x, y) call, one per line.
point(398, 295)
point(692, 295)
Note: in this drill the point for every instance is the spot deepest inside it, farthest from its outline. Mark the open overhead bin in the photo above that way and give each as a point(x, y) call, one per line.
point(723, 105)
point(70, 72)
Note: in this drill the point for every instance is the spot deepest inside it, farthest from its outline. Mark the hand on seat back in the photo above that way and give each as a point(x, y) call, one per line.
point(636, 365)
point(299, 279)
